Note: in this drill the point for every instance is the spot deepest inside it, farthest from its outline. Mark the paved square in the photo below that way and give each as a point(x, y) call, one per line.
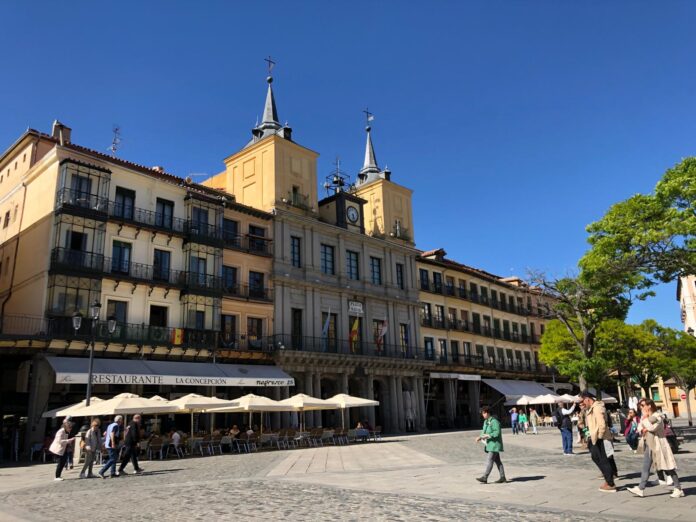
point(418, 477)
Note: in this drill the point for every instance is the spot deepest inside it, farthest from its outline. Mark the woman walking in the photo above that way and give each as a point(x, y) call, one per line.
point(657, 454)
point(93, 444)
point(58, 447)
point(524, 422)
point(492, 437)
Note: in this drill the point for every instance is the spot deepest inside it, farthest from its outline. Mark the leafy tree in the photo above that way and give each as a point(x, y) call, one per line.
point(681, 350)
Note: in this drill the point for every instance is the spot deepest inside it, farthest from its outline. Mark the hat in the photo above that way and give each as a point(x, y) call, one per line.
point(588, 395)
point(68, 418)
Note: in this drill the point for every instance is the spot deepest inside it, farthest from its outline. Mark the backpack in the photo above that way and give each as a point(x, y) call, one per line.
point(558, 418)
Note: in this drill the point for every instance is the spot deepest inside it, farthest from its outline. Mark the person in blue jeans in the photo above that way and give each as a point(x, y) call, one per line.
point(111, 442)
point(513, 421)
point(566, 427)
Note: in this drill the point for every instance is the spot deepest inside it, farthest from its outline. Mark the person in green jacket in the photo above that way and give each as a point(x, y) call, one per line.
point(492, 436)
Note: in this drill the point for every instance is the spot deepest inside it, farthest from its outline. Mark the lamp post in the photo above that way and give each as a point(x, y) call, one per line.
point(77, 323)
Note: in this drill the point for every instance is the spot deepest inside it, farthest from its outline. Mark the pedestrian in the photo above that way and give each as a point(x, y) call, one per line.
point(523, 422)
point(131, 446)
point(534, 420)
point(599, 437)
point(111, 443)
point(492, 436)
point(564, 423)
point(582, 425)
point(657, 453)
point(92, 445)
point(514, 421)
point(70, 448)
point(59, 445)
point(631, 430)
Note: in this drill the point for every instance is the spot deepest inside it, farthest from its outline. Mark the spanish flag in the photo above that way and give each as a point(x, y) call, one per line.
point(177, 336)
point(354, 335)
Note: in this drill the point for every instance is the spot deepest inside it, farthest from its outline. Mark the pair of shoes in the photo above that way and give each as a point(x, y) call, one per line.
point(57, 479)
point(636, 491)
point(101, 474)
point(121, 472)
point(606, 488)
point(669, 481)
point(659, 483)
point(677, 493)
point(501, 480)
point(90, 476)
point(139, 471)
point(482, 480)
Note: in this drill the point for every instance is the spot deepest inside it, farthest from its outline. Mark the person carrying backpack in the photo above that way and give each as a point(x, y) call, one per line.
point(561, 419)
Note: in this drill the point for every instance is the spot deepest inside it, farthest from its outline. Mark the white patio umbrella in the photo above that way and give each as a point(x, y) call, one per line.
point(570, 398)
point(64, 411)
point(302, 403)
point(549, 398)
point(122, 404)
point(608, 399)
point(195, 403)
point(522, 400)
point(251, 403)
point(344, 401)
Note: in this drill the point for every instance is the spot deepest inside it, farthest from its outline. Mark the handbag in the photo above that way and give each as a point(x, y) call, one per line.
point(641, 446)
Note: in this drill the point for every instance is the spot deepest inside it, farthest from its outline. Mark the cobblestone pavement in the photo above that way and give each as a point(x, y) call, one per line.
point(423, 477)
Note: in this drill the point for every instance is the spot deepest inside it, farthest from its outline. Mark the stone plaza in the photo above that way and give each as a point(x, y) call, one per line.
point(416, 477)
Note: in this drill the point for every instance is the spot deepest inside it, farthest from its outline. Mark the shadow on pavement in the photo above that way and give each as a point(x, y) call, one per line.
point(527, 479)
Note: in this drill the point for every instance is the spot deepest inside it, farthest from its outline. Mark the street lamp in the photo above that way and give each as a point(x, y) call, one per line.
point(77, 323)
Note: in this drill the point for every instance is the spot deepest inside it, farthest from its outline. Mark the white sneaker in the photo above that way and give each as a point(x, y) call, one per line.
point(59, 479)
point(677, 493)
point(669, 481)
point(662, 482)
point(637, 491)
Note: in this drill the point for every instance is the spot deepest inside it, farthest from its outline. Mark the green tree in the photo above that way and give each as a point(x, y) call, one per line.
point(681, 350)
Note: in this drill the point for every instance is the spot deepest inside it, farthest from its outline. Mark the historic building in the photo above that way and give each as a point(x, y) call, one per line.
point(474, 324)
point(344, 274)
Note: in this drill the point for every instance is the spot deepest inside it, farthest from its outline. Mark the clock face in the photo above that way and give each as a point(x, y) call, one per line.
point(352, 214)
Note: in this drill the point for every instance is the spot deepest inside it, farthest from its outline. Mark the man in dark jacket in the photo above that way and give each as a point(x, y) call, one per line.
point(565, 424)
point(131, 447)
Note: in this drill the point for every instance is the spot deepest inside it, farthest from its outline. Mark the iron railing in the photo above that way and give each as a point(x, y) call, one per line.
point(478, 329)
point(290, 342)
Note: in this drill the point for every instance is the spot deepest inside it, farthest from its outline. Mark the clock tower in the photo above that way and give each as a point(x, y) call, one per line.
point(342, 208)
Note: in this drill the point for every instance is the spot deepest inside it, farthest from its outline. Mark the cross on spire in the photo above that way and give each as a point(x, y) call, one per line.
point(270, 63)
point(368, 116)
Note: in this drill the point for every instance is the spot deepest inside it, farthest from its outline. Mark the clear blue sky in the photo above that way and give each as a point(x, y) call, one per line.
point(516, 123)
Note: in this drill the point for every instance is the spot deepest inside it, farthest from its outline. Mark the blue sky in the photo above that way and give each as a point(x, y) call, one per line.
point(515, 123)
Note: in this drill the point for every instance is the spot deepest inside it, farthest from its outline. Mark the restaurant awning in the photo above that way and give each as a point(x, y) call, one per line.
point(74, 370)
point(512, 388)
point(456, 376)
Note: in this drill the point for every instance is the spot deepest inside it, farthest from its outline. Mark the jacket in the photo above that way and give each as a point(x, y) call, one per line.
point(596, 419)
point(491, 427)
point(60, 441)
point(132, 434)
point(662, 457)
point(93, 440)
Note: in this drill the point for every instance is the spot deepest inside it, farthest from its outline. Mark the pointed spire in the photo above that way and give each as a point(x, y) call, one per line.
point(370, 170)
point(270, 113)
point(270, 124)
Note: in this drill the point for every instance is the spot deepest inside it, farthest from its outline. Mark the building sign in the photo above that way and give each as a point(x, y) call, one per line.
point(355, 307)
point(171, 380)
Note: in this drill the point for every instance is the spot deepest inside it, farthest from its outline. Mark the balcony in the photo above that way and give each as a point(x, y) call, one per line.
point(81, 202)
point(203, 282)
point(245, 342)
point(251, 293)
point(251, 244)
point(199, 232)
point(286, 342)
point(140, 217)
point(76, 261)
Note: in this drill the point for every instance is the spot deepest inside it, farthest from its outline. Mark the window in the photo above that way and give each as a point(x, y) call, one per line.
point(506, 330)
point(379, 333)
point(467, 349)
point(428, 342)
point(352, 265)
point(490, 352)
point(296, 328)
point(7, 220)
point(496, 328)
point(465, 319)
point(443, 350)
point(542, 329)
point(511, 303)
point(81, 187)
point(484, 295)
point(439, 316)
point(527, 361)
point(437, 282)
point(449, 285)
point(199, 270)
point(376, 270)
point(256, 241)
point(161, 265)
point(404, 338)
point(532, 332)
point(256, 288)
point(158, 316)
point(424, 279)
point(508, 362)
point(500, 358)
point(486, 325)
point(400, 276)
point(476, 319)
point(327, 259)
point(117, 309)
point(124, 203)
point(295, 251)
point(355, 334)
point(655, 394)
point(473, 291)
point(230, 232)
point(199, 322)
point(494, 299)
point(328, 332)
point(515, 332)
point(228, 331)
point(164, 213)
point(229, 279)
point(523, 328)
point(254, 328)
point(452, 317)
point(503, 305)
point(199, 219)
point(454, 349)
point(427, 314)
point(121, 257)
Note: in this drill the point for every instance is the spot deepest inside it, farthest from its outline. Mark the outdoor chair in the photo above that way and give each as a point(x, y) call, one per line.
point(157, 447)
point(216, 444)
point(326, 437)
point(291, 438)
point(376, 434)
point(315, 437)
point(243, 443)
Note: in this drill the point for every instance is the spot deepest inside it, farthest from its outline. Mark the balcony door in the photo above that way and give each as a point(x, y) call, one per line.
point(121, 257)
point(124, 203)
point(256, 285)
point(199, 220)
point(296, 330)
point(199, 270)
point(161, 265)
point(81, 187)
point(228, 334)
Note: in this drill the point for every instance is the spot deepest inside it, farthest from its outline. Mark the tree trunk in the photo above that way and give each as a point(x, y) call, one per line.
point(582, 381)
point(688, 408)
point(646, 391)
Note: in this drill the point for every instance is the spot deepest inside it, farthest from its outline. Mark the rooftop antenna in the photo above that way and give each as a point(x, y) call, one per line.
point(116, 140)
point(337, 181)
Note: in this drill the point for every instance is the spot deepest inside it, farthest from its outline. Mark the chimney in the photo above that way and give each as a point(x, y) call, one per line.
point(61, 132)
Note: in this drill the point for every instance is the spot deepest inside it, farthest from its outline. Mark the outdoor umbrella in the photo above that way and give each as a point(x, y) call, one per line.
point(122, 404)
point(549, 398)
point(303, 403)
point(343, 401)
point(522, 400)
point(569, 398)
point(251, 403)
point(64, 411)
point(194, 403)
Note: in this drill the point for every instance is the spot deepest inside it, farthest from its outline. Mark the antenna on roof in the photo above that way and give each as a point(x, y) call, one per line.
point(116, 140)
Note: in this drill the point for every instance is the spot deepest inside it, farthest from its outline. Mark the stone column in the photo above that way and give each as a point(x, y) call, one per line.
point(309, 385)
point(393, 406)
point(344, 381)
point(421, 404)
point(275, 417)
point(401, 416)
point(449, 400)
point(317, 393)
point(370, 395)
point(474, 403)
point(285, 415)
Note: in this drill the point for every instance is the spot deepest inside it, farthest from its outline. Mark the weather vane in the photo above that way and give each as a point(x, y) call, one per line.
point(368, 116)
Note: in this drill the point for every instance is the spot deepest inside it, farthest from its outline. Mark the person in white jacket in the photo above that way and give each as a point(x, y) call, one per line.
point(58, 445)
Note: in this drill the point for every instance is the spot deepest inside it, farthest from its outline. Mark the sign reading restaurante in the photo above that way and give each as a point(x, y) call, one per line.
point(117, 378)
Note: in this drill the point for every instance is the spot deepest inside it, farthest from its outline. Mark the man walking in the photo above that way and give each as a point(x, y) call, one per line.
point(492, 436)
point(513, 421)
point(131, 447)
point(534, 420)
point(598, 435)
point(111, 442)
point(565, 424)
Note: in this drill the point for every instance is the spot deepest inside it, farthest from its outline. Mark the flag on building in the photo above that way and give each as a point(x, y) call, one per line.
point(354, 335)
point(380, 334)
point(325, 332)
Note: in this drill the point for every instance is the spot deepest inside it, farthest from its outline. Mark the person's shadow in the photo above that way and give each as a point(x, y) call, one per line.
point(527, 479)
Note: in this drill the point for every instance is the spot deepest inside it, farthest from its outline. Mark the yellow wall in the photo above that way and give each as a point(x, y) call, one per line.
point(387, 202)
